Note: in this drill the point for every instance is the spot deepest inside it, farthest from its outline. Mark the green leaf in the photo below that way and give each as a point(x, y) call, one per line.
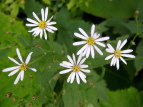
point(124, 98)
point(109, 8)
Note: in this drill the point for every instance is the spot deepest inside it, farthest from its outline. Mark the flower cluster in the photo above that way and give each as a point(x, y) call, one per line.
point(76, 67)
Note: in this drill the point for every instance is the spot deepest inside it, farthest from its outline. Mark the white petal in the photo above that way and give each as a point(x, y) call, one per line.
point(19, 55)
point(45, 34)
point(67, 63)
point(79, 59)
point(49, 30)
point(79, 43)
point(69, 78)
point(85, 51)
point(77, 78)
point(118, 45)
point(88, 52)
point(82, 76)
point(28, 58)
point(74, 60)
point(46, 13)
point(22, 75)
point(124, 42)
point(33, 69)
point(109, 57)
point(42, 14)
point(52, 28)
point(92, 51)
point(128, 55)
point(123, 60)
point(36, 17)
point(109, 50)
point(83, 32)
point(17, 78)
point(80, 36)
point(51, 23)
point(86, 71)
point(70, 59)
point(127, 51)
point(61, 64)
point(72, 78)
point(13, 72)
point(13, 60)
point(49, 19)
point(10, 69)
point(115, 61)
point(31, 25)
point(102, 39)
point(110, 47)
point(112, 61)
point(117, 64)
point(83, 66)
point(82, 61)
point(101, 44)
point(96, 35)
point(82, 49)
point(34, 29)
point(41, 33)
point(92, 30)
point(98, 50)
point(32, 21)
point(65, 71)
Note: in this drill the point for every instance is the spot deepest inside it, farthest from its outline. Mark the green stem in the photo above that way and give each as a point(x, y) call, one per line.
point(36, 59)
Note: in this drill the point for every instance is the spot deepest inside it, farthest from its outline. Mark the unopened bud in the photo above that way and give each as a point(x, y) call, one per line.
point(14, 99)
point(136, 12)
point(8, 32)
point(30, 104)
point(11, 22)
point(9, 94)
point(133, 43)
point(30, 75)
point(34, 97)
point(22, 86)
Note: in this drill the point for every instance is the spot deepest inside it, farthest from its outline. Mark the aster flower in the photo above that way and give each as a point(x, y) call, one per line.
point(41, 26)
point(21, 67)
point(117, 53)
point(77, 68)
point(90, 42)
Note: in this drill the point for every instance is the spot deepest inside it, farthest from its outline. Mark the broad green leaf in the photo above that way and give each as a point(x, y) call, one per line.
point(130, 97)
point(109, 8)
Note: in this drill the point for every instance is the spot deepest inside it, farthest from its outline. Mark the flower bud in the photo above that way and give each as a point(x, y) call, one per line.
point(9, 94)
point(136, 13)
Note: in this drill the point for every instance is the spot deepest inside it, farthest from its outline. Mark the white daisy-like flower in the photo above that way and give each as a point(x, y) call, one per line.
point(90, 42)
point(41, 26)
point(77, 68)
point(117, 53)
point(21, 67)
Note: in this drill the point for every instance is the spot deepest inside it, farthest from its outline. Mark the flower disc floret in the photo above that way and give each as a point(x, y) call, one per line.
point(76, 68)
point(90, 41)
point(24, 66)
point(42, 25)
point(117, 53)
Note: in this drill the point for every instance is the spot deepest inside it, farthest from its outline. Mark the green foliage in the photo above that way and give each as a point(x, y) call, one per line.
point(106, 86)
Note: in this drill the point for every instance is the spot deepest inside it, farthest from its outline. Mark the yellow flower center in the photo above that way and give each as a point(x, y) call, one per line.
point(23, 67)
point(76, 68)
point(42, 24)
point(90, 41)
point(117, 53)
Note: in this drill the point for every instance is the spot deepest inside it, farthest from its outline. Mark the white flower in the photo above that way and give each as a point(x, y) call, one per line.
point(89, 42)
point(21, 67)
point(118, 53)
point(41, 26)
point(77, 67)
